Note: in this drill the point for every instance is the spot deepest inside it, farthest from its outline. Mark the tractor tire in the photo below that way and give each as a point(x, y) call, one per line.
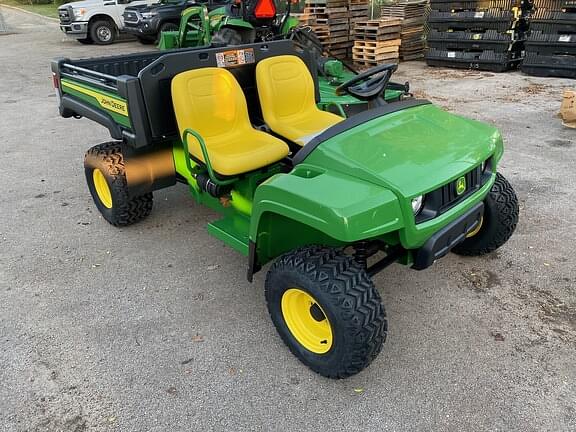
point(326, 310)
point(168, 26)
point(86, 41)
point(164, 28)
point(103, 32)
point(227, 36)
point(498, 222)
point(106, 178)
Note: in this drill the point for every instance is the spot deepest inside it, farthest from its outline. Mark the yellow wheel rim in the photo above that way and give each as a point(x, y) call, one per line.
point(102, 188)
point(477, 229)
point(306, 321)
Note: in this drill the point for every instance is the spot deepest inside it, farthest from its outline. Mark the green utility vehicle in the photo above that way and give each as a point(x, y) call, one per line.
point(330, 201)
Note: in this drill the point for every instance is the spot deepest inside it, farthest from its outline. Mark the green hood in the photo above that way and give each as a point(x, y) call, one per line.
point(411, 151)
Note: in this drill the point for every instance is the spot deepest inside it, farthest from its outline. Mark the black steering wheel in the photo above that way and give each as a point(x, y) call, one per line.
point(369, 85)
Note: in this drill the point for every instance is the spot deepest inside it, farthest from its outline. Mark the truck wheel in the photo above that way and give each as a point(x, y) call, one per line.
point(498, 223)
point(146, 40)
point(106, 178)
point(103, 32)
point(227, 36)
point(327, 310)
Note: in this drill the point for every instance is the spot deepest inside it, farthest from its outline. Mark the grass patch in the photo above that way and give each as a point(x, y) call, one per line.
point(49, 10)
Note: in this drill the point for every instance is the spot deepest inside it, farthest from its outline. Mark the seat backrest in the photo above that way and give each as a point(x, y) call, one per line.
point(210, 101)
point(286, 89)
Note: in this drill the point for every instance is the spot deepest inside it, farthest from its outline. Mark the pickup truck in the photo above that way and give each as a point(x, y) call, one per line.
point(147, 22)
point(330, 199)
point(95, 21)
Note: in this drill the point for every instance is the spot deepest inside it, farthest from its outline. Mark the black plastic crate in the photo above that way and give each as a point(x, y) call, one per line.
point(550, 16)
point(555, 4)
point(474, 5)
point(491, 40)
point(494, 15)
point(551, 49)
point(552, 28)
point(549, 66)
point(484, 60)
point(466, 35)
point(552, 37)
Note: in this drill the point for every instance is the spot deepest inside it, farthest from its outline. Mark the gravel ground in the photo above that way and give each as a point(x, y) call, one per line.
point(155, 328)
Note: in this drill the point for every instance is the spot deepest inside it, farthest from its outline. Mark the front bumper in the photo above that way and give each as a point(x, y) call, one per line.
point(78, 30)
point(144, 27)
point(445, 239)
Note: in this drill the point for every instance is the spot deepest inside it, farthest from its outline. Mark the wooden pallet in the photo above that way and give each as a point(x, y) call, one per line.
point(376, 49)
point(412, 13)
point(377, 30)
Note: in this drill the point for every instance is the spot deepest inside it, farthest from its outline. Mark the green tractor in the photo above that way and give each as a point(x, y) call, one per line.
point(325, 202)
point(240, 22)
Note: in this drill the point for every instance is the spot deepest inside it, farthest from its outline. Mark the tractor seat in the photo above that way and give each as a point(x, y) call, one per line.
point(286, 91)
point(211, 102)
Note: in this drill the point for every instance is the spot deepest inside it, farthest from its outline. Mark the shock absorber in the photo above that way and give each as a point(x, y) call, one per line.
point(364, 250)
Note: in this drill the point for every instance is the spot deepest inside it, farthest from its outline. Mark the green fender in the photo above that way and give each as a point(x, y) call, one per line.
point(238, 23)
point(289, 24)
point(314, 206)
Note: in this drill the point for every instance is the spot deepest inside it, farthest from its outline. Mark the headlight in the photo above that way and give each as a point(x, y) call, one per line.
point(148, 15)
point(417, 204)
point(78, 13)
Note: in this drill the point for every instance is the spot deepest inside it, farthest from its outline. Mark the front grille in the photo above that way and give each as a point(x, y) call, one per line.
point(445, 197)
point(65, 16)
point(131, 17)
point(449, 193)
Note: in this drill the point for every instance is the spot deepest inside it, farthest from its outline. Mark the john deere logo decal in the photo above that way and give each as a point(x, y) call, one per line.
point(460, 185)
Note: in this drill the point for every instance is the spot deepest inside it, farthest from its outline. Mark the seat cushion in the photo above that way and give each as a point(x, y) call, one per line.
point(287, 98)
point(211, 102)
point(241, 152)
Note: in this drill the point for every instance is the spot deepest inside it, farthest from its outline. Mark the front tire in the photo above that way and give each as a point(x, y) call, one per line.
point(326, 310)
point(498, 222)
point(105, 171)
point(103, 32)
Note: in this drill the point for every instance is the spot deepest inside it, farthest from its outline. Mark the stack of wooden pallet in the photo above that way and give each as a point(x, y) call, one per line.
point(329, 20)
point(412, 13)
point(376, 41)
point(358, 10)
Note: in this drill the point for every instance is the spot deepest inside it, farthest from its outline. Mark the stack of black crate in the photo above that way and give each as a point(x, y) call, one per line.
point(551, 42)
point(477, 34)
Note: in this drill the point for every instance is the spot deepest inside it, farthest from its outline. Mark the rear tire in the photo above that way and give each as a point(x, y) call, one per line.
point(498, 223)
point(326, 310)
point(103, 32)
point(106, 177)
point(227, 36)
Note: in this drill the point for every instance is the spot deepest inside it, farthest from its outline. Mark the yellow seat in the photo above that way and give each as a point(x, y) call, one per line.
point(211, 102)
point(286, 91)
